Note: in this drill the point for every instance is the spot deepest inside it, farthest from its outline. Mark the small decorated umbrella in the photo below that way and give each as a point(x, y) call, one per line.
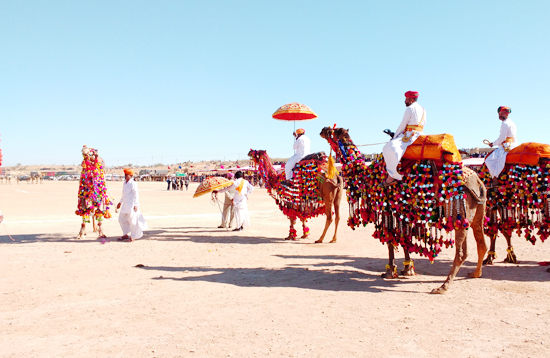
point(294, 112)
point(210, 184)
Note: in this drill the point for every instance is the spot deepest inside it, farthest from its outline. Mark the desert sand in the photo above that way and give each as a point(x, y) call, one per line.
point(208, 292)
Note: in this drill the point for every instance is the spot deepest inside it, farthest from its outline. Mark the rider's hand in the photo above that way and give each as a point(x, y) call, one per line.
point(491, 145)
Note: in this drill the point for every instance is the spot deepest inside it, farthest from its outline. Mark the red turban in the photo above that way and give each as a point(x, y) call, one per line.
point(411, 94)
point(128, 171)
point(501, 108)
point(300, 131)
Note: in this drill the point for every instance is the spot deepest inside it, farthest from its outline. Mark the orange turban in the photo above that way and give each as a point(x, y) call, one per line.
point(411, 94)
point(300, 131)
point(505, 109)
point(128, 171)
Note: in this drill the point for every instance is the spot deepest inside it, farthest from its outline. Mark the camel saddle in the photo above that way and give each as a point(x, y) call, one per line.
point(319, 157)
point(438, 147)
point(528, 153)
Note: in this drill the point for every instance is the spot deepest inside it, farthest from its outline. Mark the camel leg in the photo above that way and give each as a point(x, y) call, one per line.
point(391, 268)
point(292, 231)
point(511, 256)
point(94, 223)
point(305, 230)
point(460, 256)
point(477, 227)
point(82, 232)
point(408, 269)
point(328, 221)
point(336, 204)
point(491, 254)
point(462, 249)
point(100, 229)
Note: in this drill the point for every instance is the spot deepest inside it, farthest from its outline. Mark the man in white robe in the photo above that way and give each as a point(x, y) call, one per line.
point(411, 127)
point(228, 212)
point(507, 141)
point(130, 219)
point(301, 149)
point(242, 188)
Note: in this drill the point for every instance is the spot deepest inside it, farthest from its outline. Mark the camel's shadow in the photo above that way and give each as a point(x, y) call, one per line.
point(284, 277)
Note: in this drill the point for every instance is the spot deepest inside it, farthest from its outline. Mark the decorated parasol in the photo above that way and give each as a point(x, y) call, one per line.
point(294, 112)
point(210, 184)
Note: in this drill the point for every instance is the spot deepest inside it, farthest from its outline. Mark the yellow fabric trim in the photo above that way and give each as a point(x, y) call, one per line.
point(331, 172)
point(414, 128)
point(240, 187)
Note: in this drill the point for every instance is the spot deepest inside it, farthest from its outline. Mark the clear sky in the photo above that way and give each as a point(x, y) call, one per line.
point(152, 81)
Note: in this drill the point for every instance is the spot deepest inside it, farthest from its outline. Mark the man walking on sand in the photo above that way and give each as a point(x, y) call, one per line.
point(228, 212)
point(242, 188)
point(130, 219)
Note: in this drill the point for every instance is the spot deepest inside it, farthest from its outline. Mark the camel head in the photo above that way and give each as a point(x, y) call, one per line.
point(326, 133)
point(255, 155)
point(85, 151)
point(342, 135)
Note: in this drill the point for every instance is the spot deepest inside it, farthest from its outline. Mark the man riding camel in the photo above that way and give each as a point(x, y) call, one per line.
point(507, 141)
point(409, 130)
point(301, 149)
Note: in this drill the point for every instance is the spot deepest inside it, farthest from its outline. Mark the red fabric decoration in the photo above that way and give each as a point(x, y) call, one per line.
point(411, 94)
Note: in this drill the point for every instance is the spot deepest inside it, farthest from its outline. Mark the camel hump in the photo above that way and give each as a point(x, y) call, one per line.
point(528, 153)
point(439, 147)
point(317, 157)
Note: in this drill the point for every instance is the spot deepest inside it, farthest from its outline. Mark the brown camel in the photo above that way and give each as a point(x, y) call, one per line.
point(330, 191)
point(474, 209)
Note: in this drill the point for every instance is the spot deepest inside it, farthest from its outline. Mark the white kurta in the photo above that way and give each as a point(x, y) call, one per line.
point(301, 149)
point(497, 159)
point(393, 150)
point(131, 222)
point(240, 199)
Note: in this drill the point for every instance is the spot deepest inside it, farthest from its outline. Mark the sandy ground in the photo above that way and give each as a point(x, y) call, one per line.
point(207, 292)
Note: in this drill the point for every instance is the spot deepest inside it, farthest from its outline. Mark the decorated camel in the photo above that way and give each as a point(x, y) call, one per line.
point(522, 202)
point(436, 197)
point(93, 200)
point(315, 189)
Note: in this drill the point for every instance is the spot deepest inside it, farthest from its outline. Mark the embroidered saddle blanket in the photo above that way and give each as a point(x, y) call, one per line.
point(438, 147)
point(528, 153)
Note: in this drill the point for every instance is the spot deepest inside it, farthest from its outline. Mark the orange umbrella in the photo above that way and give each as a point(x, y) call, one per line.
point(210, 184)
point(294, 112)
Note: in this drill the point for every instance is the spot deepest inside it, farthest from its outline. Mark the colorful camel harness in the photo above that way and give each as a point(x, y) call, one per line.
point(298, 197)
point(92, 192)
point(522, 202)
point(416, 212)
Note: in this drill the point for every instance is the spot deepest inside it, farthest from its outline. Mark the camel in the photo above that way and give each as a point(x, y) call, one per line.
point(329, 190)
point(93, 200)
point(522, 202)
point(389, 228)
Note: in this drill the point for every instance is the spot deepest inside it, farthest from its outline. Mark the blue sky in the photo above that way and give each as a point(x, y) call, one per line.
point(145, 81)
